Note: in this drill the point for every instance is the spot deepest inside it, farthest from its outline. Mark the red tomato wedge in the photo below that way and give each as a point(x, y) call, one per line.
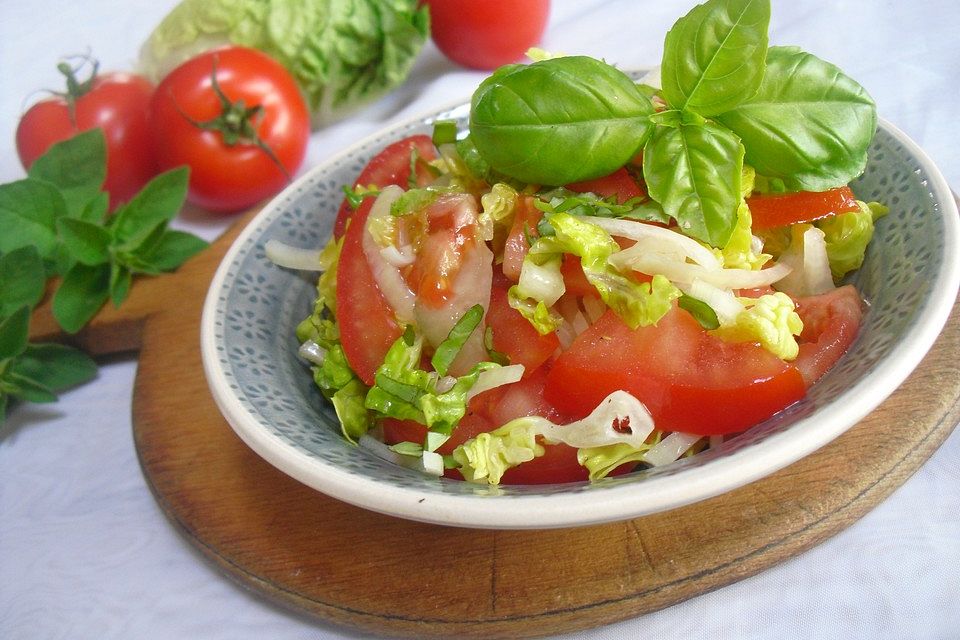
point(513, 336)
point(526, 217)
point(391, 166)
point(689, 380)
point(367, 324)
point(831, 322)
point(619, 183)
point(778, 210)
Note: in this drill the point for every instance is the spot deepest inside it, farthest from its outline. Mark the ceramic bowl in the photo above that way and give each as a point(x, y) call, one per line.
point(910, 277)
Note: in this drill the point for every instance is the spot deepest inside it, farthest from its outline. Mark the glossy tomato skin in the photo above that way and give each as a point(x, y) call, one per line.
point(119, 104)
point(689, 380)
point(391, 166)
point(485, 34)
point(513, 335)
point(367, 324)
point(228, 178)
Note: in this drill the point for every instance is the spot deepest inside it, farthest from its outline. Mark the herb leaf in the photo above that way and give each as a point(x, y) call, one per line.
point(809, 124)
point(447, 350)
point(13, 333)
point(172, 249)
point(530, 121)
point(22, 279)
point(55, 366)
point(81, 294)
point(29, 210)
point(713, 58)
point(157, 203)
point(694, 173)
point(77, 167)
point(87, 242)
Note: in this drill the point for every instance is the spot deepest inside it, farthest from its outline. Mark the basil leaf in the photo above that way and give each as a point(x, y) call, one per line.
point(77, 167)
point(447, 350)
point(22, 280)
point(55, 366)
point(29, 210)
point(700, 310)
point(81, 294)
point(87, 242)
point(97, 209)
point(694, 173)
point(809, 124)
point(713, 58)
point(560, 120)
point(157, 203)
point(14, 331)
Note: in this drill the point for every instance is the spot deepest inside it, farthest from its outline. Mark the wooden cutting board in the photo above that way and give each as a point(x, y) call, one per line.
point(380, 574)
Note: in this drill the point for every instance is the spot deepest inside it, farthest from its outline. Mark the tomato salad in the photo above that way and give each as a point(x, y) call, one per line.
point(576, 286)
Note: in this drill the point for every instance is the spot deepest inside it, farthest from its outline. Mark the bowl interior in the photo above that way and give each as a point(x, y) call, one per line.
point(269, 397)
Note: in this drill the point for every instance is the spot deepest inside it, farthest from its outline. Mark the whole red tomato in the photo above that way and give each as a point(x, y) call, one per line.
point(237, 118)
point(485, 34)
point(118, 103)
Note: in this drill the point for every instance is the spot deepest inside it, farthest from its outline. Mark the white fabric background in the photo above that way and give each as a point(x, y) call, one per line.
point(86, 553)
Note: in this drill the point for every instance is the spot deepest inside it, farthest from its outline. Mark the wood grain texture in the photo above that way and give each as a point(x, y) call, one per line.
point(391, 576)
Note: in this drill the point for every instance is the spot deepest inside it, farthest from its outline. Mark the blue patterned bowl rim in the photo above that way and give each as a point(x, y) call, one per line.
point(267, 397)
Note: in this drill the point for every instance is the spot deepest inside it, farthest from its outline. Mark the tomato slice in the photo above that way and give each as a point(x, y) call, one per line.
point(831, 322)
point(620, 183)
point(513, 335)
point(689, 380)
point(367, 323)
point(779, 210)
point(526, 217)
point(391, 166)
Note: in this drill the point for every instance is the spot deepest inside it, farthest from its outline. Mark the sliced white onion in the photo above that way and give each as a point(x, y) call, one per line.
point(291, 257)
point(387, 276)
point(493, 378)
point(594, 308)
point(665, 240)
point(398, 257)
point(638, 259)
point(312, 352)
point(811, 266)
point(430, 463)
point(541, 282)
point(566, 335)
point(670, 448)
point(723, 301)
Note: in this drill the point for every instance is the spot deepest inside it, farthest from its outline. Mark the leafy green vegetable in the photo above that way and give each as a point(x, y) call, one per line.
point(694, 172)
point(713, 57)
point(529, 121)
point(700, 310)
point(808, 125)
point(486, 457)
point(447, 350)
point(847, 236)
point(54, 222)
point(342, 53)
point(770, 320)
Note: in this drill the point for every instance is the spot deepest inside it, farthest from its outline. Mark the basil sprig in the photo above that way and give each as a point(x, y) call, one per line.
point(55, 223)
point(729, 99)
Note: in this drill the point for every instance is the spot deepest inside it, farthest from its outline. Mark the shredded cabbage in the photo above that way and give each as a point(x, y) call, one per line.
point(847, 236)
point(770, 320)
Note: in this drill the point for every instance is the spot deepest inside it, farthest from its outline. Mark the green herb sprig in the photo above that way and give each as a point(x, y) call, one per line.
point(726, 99)
point(55, 223)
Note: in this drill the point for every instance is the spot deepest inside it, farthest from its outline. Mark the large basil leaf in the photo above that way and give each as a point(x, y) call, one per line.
point(809, 124)
point(560, 120)
point(694, 172)
point(713, 57)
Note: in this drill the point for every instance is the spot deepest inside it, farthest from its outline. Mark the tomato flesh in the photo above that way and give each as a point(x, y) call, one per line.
point(689, 380)
point(391, 166)
point(831, 322)
point(513, 336)
point(778, 210)
point(619, 183)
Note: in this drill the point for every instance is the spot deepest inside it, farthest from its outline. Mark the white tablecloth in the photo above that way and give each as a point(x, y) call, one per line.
point(85, 552)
